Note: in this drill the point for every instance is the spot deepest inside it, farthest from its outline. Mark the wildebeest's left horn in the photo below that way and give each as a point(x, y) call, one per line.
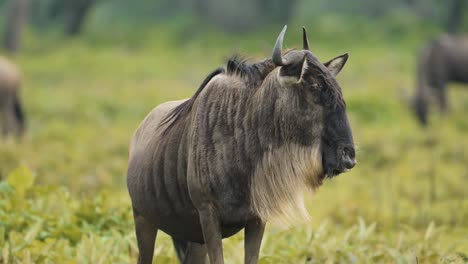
point(277, 58)
point(305, 41)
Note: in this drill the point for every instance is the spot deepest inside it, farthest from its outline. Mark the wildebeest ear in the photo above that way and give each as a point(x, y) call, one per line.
point(336, 64)
point(292, 72)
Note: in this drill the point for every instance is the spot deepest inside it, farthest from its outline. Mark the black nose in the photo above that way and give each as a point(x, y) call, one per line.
point(349, 158)
point(349, 162)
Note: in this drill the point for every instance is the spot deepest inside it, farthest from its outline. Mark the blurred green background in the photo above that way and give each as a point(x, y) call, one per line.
point(92, 70)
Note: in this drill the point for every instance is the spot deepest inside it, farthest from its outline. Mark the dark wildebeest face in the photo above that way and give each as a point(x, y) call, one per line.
point(301, 70)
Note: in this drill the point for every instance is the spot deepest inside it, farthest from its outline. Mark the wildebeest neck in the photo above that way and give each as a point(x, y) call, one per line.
point(285, 115)
point(237, 136)
point(240, 125)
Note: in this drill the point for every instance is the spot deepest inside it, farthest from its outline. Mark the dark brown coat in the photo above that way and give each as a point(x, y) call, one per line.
point(441, 61)
point(242, 151)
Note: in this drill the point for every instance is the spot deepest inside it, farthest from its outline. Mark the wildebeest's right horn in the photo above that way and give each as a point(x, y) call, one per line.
point(305, 41)
point(277, 58)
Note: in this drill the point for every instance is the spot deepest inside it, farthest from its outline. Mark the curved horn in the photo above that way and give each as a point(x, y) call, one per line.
point(305, 41)
point(277, 58)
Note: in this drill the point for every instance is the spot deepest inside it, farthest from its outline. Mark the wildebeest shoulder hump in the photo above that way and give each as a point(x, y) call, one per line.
point(186, 106)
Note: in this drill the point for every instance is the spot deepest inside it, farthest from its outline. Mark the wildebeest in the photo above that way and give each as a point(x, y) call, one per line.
point(441, 61)
point(10, 106)
point(240, 152)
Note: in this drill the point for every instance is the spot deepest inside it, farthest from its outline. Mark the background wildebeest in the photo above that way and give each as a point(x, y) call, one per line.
point(442, 60)
point(10, 106)
point(242, 151)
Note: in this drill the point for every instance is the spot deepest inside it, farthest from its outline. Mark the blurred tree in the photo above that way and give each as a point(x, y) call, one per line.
point(167, 8)
point(455, 16)
point(244, 15)
point(229, 15)
point(16, 16)
point(277, 11)
point(56, 9)
point(78, 9)
point(425, 9)
point(70, 14)
point(44, 13)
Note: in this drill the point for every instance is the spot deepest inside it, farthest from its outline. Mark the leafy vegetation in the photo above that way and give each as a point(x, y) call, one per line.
point(63, 197)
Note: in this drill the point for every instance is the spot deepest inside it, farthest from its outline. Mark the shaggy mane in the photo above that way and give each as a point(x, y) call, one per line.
point(236, 66)
point(252, 73)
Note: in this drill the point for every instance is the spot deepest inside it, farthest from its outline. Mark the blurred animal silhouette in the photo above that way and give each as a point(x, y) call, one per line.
point(441, 61)
point(10, 106)
point(242, 151)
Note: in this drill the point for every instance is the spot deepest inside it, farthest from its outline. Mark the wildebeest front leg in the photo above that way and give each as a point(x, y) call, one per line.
point(146, 235)
point(211, 228)
point(8, 116)
point(190, 252)
point(196, 254)
point(253, 238)
point(441, 94)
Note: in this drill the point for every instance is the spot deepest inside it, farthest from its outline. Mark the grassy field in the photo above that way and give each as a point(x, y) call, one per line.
point(63, 197)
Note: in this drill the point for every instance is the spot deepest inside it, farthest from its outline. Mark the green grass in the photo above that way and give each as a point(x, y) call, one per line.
point(63, 197)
